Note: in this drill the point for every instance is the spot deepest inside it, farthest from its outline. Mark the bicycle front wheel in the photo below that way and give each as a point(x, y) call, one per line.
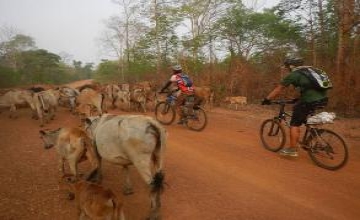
point(328, 149)
point(197, 121)
point(272, 135)
point(165, 113)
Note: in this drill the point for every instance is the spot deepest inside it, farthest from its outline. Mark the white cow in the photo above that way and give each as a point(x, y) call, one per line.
point(46, 103)
point(138, 98)
point(236, 100)
point(124, 97)
point(111, 92)
point(132, 140)
point(13, 98)
point(70, 95)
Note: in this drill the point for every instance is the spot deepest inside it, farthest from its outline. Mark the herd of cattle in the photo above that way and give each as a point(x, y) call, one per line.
point(124, 140)
point(91, 99)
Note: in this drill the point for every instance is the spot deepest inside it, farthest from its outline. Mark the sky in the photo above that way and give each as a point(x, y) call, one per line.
point(70, 26)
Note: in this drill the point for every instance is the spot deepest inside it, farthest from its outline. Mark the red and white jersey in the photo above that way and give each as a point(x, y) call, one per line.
point(176, 78)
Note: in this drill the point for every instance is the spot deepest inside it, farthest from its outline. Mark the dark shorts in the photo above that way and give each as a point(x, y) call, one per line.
point(301, 111)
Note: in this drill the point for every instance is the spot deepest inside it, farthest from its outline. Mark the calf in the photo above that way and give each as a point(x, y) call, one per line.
point(242, 100)
point(73, 145)
point(95, 202)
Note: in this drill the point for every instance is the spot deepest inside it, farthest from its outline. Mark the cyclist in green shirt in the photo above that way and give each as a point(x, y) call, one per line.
point(310, 99)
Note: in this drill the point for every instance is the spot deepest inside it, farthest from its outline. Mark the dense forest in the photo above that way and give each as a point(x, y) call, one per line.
point(221, 43)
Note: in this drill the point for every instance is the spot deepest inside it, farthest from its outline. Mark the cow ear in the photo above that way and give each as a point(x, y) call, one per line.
point(42, 132)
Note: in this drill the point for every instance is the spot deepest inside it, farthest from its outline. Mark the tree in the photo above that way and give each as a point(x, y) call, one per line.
point(10, 50)
point(40, 66)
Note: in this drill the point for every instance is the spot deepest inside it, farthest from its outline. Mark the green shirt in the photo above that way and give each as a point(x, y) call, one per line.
point(305, 87)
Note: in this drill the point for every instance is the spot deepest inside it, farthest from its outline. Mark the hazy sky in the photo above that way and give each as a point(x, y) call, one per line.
point(70, 26)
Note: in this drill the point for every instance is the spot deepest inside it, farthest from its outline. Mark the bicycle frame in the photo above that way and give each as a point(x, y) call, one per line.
point(282, 117)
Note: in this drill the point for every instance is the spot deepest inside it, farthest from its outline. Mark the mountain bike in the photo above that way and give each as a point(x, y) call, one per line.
point(326, 148)
point(195, 117)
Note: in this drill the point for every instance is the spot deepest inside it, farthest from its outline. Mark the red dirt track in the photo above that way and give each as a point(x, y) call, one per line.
point(222, 173)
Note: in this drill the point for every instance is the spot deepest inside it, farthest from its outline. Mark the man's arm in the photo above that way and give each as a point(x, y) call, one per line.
point(165, 86)
point(275, 92)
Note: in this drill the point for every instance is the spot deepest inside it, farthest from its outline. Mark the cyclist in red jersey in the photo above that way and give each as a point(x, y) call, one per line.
point(184, 87)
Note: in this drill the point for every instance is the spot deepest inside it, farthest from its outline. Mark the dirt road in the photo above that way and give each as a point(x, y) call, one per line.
point(222, 173)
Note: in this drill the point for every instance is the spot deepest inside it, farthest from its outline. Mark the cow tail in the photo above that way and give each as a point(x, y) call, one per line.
point(157, 184)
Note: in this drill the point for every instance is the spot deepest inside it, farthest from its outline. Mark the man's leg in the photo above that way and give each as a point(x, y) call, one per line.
point(179, 103)
point(294, 136)
point(294, 140)
point(298, 118)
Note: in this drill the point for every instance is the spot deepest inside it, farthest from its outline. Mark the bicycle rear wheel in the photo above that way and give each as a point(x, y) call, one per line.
point(197, 121)
point(165, 113)
point(272, 135)
point(327, 149)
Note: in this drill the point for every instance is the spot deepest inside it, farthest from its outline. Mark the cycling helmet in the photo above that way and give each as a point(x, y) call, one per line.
point(295, 61)
point(177, 68)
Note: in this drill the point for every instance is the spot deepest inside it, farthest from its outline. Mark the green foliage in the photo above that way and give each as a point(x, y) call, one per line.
point(39, 66)
point(107, 71)
point(250, 33)
point(8, 77)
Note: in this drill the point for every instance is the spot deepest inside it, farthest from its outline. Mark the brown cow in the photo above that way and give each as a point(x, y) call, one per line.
point(73, 145)
point(91, 97)
point(95, 202)
point(205, 96)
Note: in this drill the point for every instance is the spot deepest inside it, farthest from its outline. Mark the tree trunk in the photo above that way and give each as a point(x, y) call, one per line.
point(345, 10)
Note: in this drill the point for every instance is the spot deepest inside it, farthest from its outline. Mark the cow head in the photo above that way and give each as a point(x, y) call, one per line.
point(49, 137)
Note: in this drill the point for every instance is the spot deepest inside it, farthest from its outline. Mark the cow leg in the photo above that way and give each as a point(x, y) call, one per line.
point(94, 174)
point(143, 105)
point(113, 103)
point(52, 113)
point(62, 166)
point(40, 115)
point(12, 111)
point(72, 104)
point(73, 167)
point(83, 216)
point(144, 165)
point(127, 186)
